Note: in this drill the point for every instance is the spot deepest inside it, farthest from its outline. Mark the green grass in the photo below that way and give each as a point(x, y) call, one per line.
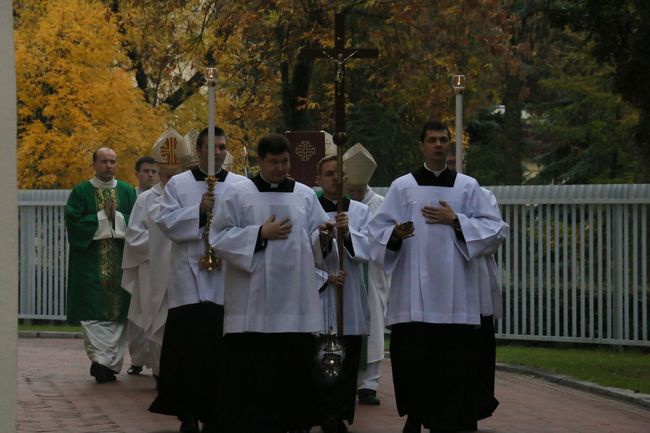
point(63, 327)
point(628, 370)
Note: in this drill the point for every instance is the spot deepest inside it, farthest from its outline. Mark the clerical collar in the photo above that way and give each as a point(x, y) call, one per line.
point(200, 175)
point(263, 185)
point(330, 205)
point(436, 172)
point(98, 183)
point(425, 177)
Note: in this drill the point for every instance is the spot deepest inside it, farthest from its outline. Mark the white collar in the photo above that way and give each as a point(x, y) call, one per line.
point(437, 173)
point(98, 183)
point(273, 185)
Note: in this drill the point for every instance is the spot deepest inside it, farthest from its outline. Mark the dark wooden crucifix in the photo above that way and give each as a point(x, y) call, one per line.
point(340, 56)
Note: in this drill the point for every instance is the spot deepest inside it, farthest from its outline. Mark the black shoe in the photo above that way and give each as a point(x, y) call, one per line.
point(342, 427)
point(412, 425)
point(101, 373)
point(368, 397)
point(134, 369)
point(486, 409)
point(330, 425)
point(189, 425)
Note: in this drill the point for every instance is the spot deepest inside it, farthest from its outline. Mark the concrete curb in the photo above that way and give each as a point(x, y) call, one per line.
point(606, 391)
point(49, 334)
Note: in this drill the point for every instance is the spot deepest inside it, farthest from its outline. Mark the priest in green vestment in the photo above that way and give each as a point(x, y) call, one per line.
point(96, 214)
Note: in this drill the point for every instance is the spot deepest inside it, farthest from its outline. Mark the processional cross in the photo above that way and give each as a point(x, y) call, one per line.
point(340, 56)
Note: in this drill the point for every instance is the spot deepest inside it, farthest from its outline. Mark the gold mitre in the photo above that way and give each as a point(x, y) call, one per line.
point(227, 161)
point(172, 148)
point(330, 147)
point(358, 165)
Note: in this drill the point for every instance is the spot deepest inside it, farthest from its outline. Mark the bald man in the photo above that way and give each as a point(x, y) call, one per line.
point(96, 215)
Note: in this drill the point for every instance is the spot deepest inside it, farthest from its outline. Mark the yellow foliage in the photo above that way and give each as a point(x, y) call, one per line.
point(74, 96)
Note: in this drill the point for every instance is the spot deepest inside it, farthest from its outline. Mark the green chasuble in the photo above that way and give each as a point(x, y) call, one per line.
point(95, 267)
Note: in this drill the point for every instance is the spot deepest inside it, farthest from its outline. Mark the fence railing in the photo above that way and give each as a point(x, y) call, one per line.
point(43, 254)
point(575, 267)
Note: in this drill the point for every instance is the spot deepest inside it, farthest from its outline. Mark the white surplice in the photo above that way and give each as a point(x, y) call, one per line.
point(378, 284)
point(434, 279)
point(178, 218)
point(274, 289)
point(490, 288)
point(145, 274)
point(356, 316)
point(145, 265)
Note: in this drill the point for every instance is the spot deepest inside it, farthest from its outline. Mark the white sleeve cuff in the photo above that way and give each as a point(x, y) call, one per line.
point(120, 226)
point(104, 229)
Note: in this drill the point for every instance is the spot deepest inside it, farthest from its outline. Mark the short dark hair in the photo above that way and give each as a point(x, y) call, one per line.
point(273, 144)
point(218, 132)
point(323, 161)
point(143, 160)
point(434, 125)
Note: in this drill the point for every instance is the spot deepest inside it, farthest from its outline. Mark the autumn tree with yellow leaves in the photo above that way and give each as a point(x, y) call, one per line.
point(265, 84)
point(74, 95)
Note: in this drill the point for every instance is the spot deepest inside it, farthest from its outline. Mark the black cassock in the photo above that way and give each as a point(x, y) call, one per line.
point(267, 376)
point(190, 359)
point(443, 402)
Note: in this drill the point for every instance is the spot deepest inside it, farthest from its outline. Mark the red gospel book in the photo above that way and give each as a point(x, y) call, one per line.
point(307, 148)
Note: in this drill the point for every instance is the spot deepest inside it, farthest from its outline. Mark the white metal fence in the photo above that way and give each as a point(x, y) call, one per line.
point(43, 254)
point(575, 267)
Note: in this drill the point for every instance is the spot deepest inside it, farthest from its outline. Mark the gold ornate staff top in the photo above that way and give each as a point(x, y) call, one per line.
point(210, 261)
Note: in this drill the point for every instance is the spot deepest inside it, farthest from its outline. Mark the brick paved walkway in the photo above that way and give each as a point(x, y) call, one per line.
point(56, 394)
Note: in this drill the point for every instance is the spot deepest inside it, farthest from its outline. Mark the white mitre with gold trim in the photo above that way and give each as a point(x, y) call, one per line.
point(358, 165)
point(330, 147)
point(172, 149)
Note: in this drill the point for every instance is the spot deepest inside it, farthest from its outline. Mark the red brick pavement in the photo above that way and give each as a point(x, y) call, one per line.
point(56, 394)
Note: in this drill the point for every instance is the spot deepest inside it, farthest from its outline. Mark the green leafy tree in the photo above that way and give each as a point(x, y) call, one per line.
point(621, 38)
point(585, 132)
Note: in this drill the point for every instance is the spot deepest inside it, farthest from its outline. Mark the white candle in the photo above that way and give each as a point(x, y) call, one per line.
point(211, 114)
point(459, 132)
point(458, 83)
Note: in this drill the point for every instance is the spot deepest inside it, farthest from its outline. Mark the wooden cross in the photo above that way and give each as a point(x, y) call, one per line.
point(340, 55)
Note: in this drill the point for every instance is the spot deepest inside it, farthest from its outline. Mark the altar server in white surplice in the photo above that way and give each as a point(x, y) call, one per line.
point(271, 231)
point(146, 172)
point(430, 226)
point(147, 251)
point(359, 166)
point(191, 355)
point(336, 400)
point(491, 308)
